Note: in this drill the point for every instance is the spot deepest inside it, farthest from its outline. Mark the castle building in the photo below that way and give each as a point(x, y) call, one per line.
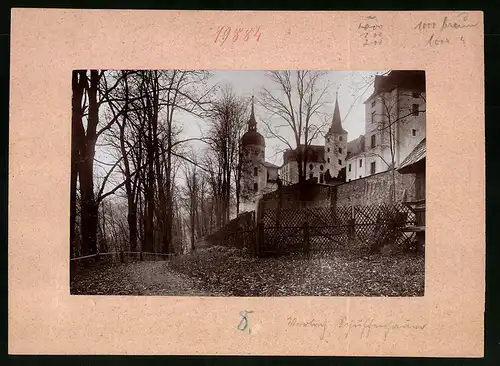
point(324, 162)
point(395, 117)
point(258, 176)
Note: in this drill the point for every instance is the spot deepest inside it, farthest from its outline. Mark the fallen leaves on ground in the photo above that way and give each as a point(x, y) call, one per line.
point(229, 272)
point(135, 278)
point(219, 271)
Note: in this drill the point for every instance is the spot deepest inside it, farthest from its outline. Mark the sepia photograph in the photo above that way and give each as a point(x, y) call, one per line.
point(248, 183)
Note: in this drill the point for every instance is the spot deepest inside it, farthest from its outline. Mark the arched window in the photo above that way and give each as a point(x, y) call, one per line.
point(321, 167)
point(328, 149)
point(255, 171)
point(321, 178)
point(340, 150)
point(328, 160)
point(255, 187)
point(310, 166)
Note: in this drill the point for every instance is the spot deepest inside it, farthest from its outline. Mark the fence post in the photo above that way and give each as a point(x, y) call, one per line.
point(352, 224)
point(259, 239)
point(307, 242)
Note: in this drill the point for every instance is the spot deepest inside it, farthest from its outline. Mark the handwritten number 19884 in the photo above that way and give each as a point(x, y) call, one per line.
point(224, 34)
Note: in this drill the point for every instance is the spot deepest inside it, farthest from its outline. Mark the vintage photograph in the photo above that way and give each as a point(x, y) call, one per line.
point(248, 183)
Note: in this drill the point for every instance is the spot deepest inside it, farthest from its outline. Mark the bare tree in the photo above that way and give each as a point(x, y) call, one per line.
point(393, 114)
point(227, 120)
point(297, 102)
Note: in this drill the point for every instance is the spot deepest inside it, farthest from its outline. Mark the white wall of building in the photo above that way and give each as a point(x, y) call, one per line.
point(254, 173)
point(390, 119)
point(335, 152)
point(355, 167)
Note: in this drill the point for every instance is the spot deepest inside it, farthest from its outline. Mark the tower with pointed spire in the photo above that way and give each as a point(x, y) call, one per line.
point(335, 143)
point(254, 172)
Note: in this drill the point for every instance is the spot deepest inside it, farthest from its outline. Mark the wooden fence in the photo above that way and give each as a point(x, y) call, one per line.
point(318, 230)
point(325, 230)
point(237, 233)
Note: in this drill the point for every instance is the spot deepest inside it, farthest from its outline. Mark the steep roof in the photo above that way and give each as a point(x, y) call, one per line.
point(416, 156)
point(405, 79)
point(316, 154)
point(252, 136)
point(336, 126)
point(270, 165)
point(356, 147)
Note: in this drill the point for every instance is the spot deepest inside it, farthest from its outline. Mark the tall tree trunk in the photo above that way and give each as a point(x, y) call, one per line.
point(76, 140)
point(89, 210)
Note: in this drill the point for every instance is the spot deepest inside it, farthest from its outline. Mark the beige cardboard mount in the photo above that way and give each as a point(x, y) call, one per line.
point(48, 44)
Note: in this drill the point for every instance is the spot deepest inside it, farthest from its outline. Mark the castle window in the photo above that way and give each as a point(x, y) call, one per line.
point(350, 167)
point(310, 166)
point(340, 162)
point(414, 132)
point(372, 168)
point(340, 138)
point(255, 187)
point(414, 109)
point(321, 178)
point(328, 160)
point(340, 150)
point(415, 94)
point(373, 139)
point(360, 163)
point(255, 171)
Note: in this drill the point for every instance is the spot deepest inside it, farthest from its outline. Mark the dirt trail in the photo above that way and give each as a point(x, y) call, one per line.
point(138, 278)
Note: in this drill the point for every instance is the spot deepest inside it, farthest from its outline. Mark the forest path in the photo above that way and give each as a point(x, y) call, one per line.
point(136, 278)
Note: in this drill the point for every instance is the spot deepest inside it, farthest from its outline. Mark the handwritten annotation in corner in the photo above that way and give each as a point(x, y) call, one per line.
point(236, 34)
point(363, 327)
point(447, 30)
point(370, 31)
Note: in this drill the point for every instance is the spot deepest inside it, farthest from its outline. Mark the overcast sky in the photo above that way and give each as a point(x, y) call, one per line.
point(352, 88)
